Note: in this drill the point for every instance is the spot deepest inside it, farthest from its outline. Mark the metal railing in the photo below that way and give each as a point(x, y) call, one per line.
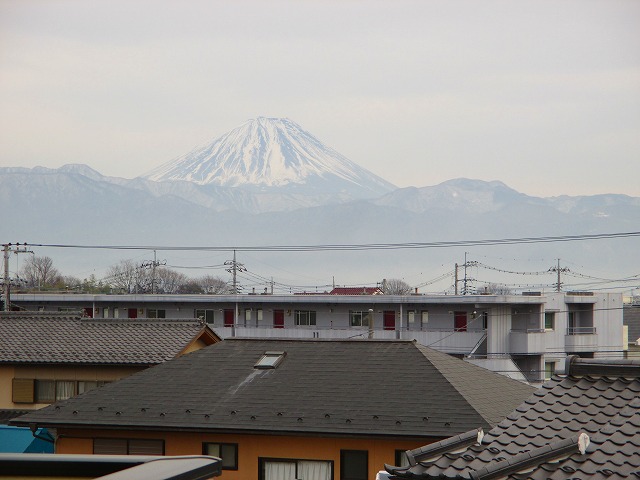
point(581, 330)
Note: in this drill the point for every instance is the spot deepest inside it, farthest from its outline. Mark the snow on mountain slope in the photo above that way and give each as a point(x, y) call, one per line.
point(270, 152)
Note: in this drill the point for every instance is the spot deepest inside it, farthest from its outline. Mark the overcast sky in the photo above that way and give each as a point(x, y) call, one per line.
point(542, 95)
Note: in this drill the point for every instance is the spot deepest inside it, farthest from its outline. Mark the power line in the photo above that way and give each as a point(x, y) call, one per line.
point(352, 247)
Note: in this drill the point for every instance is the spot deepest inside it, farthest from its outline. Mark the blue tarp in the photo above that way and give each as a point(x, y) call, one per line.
point(21, 440)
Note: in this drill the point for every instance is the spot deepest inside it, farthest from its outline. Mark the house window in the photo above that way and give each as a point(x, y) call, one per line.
point(354, 465)
point(228, 452)
point(116, 312)
point(65, 389)
point(549, 370)
point(105, 312)
point(425, 317)
point(124, 446)
point(285, 468)
point(206, 315)
point(305, 318)
point(29, 390)
point(247, 315)
point(45, 391)
point(549, 320)
point(358, 318)
point(156, 313)
point(259, 315)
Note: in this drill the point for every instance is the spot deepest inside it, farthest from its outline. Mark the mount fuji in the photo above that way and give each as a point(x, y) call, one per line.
point(269, 182)
point(273, 154)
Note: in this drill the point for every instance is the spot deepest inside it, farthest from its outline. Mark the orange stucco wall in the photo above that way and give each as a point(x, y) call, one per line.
point(252, 447)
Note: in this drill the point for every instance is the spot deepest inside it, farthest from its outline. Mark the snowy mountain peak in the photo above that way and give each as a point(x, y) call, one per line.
point(269, 152)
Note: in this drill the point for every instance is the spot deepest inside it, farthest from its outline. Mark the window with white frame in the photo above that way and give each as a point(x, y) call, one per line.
point(285, 468)
point(358, 318)
point(156, 313)
point(206, 315)
point(258, 315)
point(247, 315)
point(305, 318)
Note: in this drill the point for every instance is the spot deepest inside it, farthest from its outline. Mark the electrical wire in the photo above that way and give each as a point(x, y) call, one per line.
point(351, 247)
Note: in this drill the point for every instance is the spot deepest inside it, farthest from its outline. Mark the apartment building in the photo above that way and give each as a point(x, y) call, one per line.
point(523, 336)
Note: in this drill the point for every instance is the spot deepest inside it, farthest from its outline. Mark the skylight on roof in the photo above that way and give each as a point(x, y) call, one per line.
point(270, 360)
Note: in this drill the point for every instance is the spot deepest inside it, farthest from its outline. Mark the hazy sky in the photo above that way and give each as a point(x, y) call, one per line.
point(542, 95)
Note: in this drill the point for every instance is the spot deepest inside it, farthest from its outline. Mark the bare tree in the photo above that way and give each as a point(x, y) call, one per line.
point(213, 285)
point(395, 286)
point(39, 272)
point(168, 281)
point(191, 286)
point(127, 276)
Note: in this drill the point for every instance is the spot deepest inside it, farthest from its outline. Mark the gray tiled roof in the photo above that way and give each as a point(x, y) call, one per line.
point(539, 439)
point(353, 387)
point(62, 339)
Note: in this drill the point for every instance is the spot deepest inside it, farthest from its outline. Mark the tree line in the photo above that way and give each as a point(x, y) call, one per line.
point(40, 274)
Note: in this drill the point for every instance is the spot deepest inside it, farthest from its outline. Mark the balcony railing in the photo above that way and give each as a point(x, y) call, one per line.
point(581, 330)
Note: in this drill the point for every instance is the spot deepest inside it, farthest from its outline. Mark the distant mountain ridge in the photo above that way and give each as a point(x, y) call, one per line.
point(326, 200)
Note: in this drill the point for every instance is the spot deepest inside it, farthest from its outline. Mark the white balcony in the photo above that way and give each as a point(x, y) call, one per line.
point(579, 339)
point(527, 341)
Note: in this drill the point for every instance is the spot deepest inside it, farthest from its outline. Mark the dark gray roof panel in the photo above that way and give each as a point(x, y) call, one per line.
point(327, 386)
point(606, 408)
point(62, 339)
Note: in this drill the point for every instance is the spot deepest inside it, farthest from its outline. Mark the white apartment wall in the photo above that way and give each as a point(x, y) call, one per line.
point(607, 318)
point(332, 313)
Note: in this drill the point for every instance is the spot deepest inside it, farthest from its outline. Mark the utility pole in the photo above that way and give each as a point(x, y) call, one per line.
point(465, 274)
point(455, 281)
point(153, 265)
point(559, 270)
point(465, 289)
point(234, 268)
point(6, 280)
